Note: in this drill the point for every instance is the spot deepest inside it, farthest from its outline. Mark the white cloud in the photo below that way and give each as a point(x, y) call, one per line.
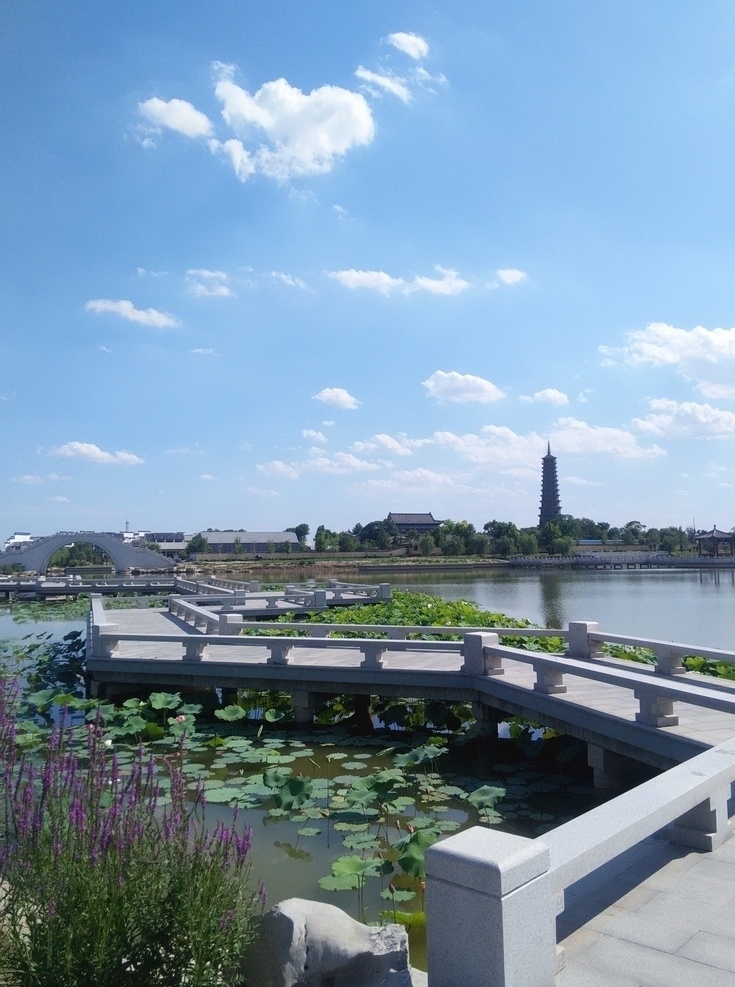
point(208, 284)
point(687, 418)
point(340, 462)
point(705, 357)
point(293, 133)
point(312, 436)
point(510, 275)
point(377, 280)
point(59, 499)
point(453, 387)
point(208, 477)
point(126, 309)
point(410, 44)
point(34, 478)
point(143, 272)
point(199, 351)
point(277, 467)
point(400, 445)
point(176, 114)
point(502, 448)
point(262, 492)
point(390, 83)
point(549, 395)
point(337, 396)
point(243, 164)
point(570, 435)
point(288, 279)
point(93, 453)
point(448, 284)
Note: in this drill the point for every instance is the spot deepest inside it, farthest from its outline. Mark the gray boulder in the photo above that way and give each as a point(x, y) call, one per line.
point(310, 944)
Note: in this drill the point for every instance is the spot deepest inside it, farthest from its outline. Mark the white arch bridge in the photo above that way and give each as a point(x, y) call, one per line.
point(37, 557)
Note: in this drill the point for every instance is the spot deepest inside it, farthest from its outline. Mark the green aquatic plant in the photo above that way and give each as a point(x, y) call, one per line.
point(110, 876)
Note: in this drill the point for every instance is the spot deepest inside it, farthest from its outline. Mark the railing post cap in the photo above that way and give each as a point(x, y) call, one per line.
point(487, 860)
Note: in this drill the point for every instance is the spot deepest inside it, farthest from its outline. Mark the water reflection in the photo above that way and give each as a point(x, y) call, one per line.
point(689, 606)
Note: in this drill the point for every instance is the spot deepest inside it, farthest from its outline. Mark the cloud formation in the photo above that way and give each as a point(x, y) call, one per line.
point(688, 419)
point(288, 132)
point(208, 284)
point(448, 284)
point(93, 454)
point(549, 395)
point(410, 44)
point(177, 115)
point(384, 83)
point(704, 357)
point(453, 387)
point(126, 309)
point(510, 275)
point(338, 397)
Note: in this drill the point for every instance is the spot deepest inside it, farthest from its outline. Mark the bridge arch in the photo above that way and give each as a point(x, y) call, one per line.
point(38, 555)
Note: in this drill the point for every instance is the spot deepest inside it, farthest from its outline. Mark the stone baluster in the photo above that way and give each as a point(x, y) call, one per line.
point(280, 651)
point(490, 892)
point(655, 710)
point(478, 658)
point(580, 645)
point(195, 649)
point(706, 826)
point(549, 681)
point(668, 660)
point(229, 623)
point(373, 652)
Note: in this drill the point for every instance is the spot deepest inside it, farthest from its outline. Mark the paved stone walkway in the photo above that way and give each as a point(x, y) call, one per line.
point(658, 916)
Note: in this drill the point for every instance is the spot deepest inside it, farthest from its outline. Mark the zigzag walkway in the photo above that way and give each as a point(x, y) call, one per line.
point(647, 914)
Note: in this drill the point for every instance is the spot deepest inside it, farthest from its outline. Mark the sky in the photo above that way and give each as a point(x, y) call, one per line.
point(267, 263)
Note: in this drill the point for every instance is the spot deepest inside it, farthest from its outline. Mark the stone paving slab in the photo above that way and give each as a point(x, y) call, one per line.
point(674, 926)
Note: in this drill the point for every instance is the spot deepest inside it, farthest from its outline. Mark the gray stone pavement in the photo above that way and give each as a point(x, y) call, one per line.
point(658, 916)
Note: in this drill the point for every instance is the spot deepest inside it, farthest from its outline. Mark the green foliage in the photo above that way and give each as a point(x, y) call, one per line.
point(197, 544)
point(105, 881)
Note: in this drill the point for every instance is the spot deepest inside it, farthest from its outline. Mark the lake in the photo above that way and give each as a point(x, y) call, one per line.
point(688, 606)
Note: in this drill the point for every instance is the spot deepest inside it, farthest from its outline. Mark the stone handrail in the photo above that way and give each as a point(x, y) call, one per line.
point(194, 647)
point(399, 632)
point(380, 592)
point(655, 693)
point(492, 897)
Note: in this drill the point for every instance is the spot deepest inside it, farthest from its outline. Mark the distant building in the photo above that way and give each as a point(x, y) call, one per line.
point(414, 522)
point(550, 507)
point(232, 542)
point(18, 540)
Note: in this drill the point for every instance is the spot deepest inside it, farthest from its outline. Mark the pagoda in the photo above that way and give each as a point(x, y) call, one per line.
point(550, 507)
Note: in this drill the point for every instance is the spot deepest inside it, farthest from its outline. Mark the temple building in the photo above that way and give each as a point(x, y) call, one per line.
point(550, 507)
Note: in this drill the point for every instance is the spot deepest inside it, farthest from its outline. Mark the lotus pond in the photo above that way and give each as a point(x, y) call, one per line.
point(338, 814)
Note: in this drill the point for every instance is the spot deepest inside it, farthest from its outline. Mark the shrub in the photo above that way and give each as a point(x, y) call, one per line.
point(108, 875)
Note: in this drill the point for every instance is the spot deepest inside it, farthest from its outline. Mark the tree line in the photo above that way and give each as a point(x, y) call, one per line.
point(503, 538)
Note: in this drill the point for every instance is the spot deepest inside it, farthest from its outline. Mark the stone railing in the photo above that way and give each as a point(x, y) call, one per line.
point(492, 898)
point(340, 590)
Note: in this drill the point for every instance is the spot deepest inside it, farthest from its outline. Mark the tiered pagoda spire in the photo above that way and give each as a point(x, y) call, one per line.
point(550, 507)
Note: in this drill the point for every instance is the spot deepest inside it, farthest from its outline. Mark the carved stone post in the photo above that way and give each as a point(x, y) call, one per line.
point(490, 911)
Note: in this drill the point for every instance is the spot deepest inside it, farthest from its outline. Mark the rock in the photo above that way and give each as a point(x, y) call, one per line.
point(310, 944)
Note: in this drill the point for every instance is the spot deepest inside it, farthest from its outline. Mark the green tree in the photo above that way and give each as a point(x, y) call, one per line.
point(427, 545)
point(347, 542)
point(301, 531)
point(197, 545)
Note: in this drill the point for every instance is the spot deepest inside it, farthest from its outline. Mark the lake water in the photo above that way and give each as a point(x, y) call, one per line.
point(688, 606)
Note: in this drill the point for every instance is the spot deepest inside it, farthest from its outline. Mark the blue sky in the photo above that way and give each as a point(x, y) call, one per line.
point(267, 263)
